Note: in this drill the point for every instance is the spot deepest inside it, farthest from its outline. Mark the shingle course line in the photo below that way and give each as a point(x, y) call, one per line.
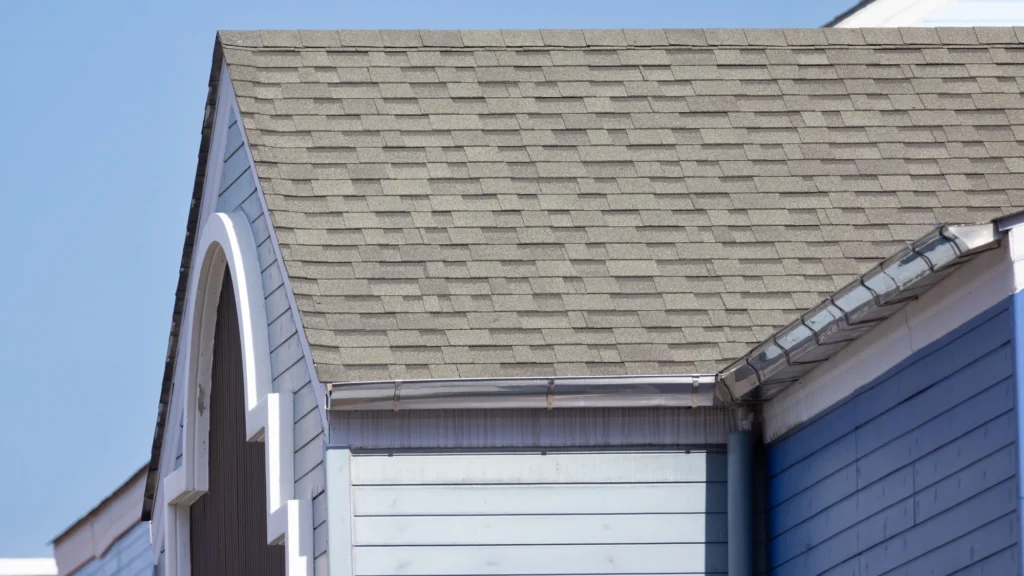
point(470, 203)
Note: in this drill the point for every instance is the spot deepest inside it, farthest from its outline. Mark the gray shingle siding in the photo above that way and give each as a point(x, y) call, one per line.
point(916, 473)
point(519, 185)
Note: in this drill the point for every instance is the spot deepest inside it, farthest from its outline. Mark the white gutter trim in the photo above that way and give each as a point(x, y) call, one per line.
point(691, 391)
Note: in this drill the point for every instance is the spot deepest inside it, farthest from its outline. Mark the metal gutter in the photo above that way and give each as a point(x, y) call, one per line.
point(543, 393)
point(855, 309)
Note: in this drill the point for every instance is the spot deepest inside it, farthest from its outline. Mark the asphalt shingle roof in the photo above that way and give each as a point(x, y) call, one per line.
point(598, 202)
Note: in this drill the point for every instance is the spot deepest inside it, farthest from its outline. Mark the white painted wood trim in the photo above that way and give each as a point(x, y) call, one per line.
point(318, 387)
point(891, 13)
point(979, 285)
point(226, 245)
point(339, 511)
point(208, 203)
point(28, 567)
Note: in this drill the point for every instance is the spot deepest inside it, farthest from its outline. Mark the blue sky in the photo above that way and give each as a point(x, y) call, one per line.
point(102, 105)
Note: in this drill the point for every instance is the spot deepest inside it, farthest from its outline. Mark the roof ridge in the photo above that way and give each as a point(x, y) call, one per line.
point(620, 38)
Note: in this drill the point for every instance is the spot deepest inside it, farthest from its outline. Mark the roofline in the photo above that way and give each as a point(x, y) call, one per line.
point(110, 497)
point(689, 391)
point(849, 12)
point(191, 231)
point(845, 315)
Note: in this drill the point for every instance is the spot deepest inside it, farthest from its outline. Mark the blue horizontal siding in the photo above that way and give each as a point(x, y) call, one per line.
point(916, 473)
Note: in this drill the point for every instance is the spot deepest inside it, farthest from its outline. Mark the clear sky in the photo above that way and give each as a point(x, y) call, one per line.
point(100, 110)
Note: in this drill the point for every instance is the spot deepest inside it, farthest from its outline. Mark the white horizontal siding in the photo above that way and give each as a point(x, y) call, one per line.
point(595, 467)
point(588, 559)
point(524, 428)
point(690, 497)
point(535, 529)
point(531, 512)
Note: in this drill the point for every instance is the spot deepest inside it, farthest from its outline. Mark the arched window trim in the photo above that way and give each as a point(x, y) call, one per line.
point(226, 245)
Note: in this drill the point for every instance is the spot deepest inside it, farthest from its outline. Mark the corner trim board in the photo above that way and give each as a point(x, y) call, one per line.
point(338, 462)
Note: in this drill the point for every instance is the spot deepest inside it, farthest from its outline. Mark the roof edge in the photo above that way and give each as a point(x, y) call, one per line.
point(853, 310)
point(691, 391)
point(106, 500)
point(152, 476)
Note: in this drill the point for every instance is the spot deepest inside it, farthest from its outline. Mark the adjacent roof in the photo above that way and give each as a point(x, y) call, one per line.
point(94, 533)
point(456, 204)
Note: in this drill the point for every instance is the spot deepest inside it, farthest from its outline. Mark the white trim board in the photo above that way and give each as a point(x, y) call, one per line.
point(226, 245)
point(892, 13)
point(979, 285)
point(28, 567)
point(208, 202)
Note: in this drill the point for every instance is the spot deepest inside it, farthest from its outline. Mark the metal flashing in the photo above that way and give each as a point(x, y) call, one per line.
point(852, 311)
point(542, 393)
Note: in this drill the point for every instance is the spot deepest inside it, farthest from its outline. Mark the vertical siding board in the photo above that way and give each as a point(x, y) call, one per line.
point(915, 474)
point(228, 524)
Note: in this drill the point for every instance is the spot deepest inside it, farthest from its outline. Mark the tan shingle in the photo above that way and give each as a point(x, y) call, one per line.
point(570, 202)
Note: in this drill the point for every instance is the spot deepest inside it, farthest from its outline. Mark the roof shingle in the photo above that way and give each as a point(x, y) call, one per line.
point(565, 202)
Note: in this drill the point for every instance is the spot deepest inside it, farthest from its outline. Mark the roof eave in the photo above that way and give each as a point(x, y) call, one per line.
point(691, 391)
point(852, 311)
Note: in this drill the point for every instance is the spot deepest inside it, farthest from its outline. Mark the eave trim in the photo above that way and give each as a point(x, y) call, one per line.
point(693, 391)
point(852, 311)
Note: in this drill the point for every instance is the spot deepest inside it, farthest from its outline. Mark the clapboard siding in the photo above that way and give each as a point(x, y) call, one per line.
point(978, 13)
point(238, 193)
point(914, 474)
point(130, 555)
point(530, 512)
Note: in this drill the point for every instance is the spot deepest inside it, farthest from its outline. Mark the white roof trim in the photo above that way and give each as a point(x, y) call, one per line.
point(891, 13)
point(977, 286)
point(28, 567)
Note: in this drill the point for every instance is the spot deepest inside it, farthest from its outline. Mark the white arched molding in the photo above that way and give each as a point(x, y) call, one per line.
point(226, 245)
